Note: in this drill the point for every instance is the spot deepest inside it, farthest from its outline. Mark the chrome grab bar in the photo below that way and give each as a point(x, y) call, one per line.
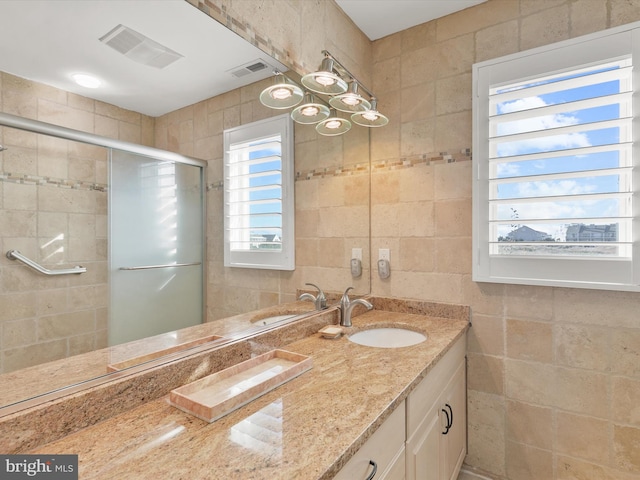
point(168, 265)
point(16, 255)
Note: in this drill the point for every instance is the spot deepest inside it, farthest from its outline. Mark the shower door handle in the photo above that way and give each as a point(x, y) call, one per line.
point(168, 265)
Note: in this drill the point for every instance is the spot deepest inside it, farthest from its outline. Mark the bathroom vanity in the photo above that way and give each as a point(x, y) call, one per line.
point(400, 408)
point(425, 437)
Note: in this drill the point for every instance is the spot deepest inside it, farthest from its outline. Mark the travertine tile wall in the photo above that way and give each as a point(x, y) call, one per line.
point(332, 202)
point(554, 376)
point(332, 181)
point(53, 209)
point(554, 380)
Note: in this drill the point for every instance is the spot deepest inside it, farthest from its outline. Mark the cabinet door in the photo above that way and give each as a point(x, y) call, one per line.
point(424, 448)
point(396, 470)
point(454, 409)
point(382, 447)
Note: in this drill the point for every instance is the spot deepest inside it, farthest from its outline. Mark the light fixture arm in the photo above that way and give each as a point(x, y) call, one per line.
point(342, 71)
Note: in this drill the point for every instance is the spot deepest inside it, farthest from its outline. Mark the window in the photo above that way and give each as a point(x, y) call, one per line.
point(259, 195)
point(556, 185)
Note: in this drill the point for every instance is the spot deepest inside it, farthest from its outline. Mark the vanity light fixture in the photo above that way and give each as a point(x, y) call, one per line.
point(282, 94)
point(333, 80)
point(351, 101)
point(334, 125)
point(310, 111)
point(370, 117)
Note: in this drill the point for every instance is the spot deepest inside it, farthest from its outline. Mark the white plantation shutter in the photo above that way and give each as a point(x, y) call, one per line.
point(254, 193)
point(258, 191)
point(554, 160)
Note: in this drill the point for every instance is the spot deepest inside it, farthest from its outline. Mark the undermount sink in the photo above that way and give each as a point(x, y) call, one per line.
point(387, 337)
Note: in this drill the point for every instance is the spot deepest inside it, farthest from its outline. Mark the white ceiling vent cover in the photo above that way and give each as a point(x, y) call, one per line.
point(139, 48)
point(249, 68)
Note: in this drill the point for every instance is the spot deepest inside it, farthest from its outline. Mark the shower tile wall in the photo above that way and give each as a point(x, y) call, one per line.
point(53, 209)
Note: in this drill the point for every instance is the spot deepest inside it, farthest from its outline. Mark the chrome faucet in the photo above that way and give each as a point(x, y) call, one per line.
point(346, 307)
point(319, 300)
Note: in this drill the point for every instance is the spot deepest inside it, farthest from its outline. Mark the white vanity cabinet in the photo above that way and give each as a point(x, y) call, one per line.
point(425, 438)
point(437, 420)
point(385, 447)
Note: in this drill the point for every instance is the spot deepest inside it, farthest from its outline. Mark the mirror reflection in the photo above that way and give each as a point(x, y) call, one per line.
point(56, 209)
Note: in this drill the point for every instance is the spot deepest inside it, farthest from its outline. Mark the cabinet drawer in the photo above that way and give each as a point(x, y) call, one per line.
point(382, 447)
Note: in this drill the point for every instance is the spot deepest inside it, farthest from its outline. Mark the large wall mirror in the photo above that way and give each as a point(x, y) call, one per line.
point(55, 192)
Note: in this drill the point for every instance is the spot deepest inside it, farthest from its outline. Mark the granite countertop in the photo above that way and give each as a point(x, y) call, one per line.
point(38, 380)
point(307, 428)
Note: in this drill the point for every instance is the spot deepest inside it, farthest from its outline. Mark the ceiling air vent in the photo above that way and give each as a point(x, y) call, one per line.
point(249, 68)
point(139, 48)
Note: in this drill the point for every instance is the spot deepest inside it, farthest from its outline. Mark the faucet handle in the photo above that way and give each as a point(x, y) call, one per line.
point(314, 285)
point(321, 300)
point(346, 293)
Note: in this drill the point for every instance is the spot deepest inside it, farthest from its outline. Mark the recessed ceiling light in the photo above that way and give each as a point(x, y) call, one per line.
point(85, 80)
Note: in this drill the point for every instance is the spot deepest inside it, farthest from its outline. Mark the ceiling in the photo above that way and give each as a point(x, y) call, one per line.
point(379, 18)
point(47, 41)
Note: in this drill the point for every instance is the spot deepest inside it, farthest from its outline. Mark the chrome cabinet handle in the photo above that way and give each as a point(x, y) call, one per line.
point(449, 415)
point(375, 469)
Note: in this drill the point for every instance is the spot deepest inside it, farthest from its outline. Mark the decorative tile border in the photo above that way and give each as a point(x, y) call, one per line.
point(215, 186)
point(380, 166)
point(52, 182)
point(376, 167)
point(356, 169)
point(220, 14)
point(426, 159)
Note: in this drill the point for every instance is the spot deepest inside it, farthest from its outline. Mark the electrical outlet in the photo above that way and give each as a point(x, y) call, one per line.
point(384, 269)
point(383, 254)
point(356, 267)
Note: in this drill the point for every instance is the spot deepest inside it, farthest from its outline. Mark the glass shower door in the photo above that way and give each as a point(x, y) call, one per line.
point(156, 237)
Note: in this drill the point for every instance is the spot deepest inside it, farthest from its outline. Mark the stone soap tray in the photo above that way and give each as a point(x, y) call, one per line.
point(114, 367)
point(221, 393)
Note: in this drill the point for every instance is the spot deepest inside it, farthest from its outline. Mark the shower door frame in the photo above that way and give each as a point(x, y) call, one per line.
point(36, 126)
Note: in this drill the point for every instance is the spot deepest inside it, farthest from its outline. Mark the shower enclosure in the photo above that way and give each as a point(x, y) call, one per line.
point(138, 234)
point(155, 246)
